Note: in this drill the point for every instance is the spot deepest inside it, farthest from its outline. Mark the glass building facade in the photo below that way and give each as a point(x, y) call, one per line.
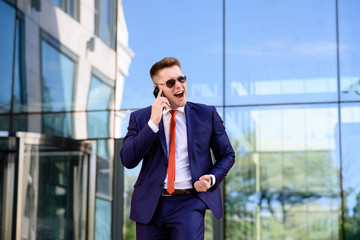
point(284, 76)
point(62, 71)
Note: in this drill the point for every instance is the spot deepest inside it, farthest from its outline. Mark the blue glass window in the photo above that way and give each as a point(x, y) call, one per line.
point(285, 182)
point(59, 124)
point(349, 37)
point(58, 77)
point(7, 43)
point(103, 219)
point(20, 86)
point(100, 94)
point(275, 53)
point(350, 137)
point(105, 19)
point(99, 101)
point(4, 123)
point(104, 166)
point(71, 7)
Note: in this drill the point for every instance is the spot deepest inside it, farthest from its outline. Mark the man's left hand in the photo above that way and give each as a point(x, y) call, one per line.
point(203, 184)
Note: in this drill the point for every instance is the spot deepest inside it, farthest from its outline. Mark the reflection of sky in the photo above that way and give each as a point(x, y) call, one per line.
point(272, 49)
point(58, 78)
point(285, 128)
point(188, 30)
point(99, 94)
point(349, 34)
point(277, 50)
point(276, 40)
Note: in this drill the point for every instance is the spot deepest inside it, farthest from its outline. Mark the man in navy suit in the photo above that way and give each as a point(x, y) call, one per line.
point(174, 209)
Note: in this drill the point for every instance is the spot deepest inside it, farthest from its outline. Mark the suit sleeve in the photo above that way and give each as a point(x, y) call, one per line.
point(137, 143)
point(222, 149)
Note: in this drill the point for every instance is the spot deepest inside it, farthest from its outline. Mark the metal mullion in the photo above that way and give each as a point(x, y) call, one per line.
point(20, 188)
point(117, 206)
point(91, 193)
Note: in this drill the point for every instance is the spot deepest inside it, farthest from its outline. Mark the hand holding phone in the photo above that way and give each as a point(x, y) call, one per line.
point(158, 106)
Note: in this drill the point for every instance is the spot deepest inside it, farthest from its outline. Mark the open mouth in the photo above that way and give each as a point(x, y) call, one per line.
point(179, 95)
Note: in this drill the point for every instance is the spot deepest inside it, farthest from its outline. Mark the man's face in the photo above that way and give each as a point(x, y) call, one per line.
point(177, 94)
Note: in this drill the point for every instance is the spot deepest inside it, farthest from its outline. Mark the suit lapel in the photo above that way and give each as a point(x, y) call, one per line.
point(162, 138)
point(190, 122)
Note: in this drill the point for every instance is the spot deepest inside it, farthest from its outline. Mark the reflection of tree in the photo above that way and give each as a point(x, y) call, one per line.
point(129, 226)
point(273, 195)
point(354, 87)
point(208, 224)
point(357, 207)
point(352, 223)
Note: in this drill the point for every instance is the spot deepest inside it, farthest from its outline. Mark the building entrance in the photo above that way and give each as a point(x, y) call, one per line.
point(44, 187)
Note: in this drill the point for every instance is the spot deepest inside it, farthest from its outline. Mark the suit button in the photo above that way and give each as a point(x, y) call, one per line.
point(166, 164)
point(161, 185)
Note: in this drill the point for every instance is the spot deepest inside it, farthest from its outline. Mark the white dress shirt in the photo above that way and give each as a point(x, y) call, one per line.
point(182, 169)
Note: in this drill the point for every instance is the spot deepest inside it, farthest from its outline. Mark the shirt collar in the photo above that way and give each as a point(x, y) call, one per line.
point(180, 109)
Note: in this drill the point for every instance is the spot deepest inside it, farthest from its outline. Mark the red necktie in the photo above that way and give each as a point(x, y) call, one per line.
point(171, 165)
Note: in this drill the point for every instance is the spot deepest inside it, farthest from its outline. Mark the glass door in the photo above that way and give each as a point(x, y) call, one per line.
point(51, 196)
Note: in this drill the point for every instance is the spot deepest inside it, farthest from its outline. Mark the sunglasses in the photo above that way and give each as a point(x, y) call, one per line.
point(171, 82)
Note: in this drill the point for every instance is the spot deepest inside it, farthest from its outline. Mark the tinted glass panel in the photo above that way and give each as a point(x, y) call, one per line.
point(99, 98)
point(350, 136)
point(4, 123)
point(69, 6)
point(104, 21)
point(104, 187)
point(185, 30)
point(285, 182)
point(58, 73)
point(57, 2)
point(58, 124)
point(275, 53)
point(20, 88)
point(103, 219)
point(7, 29)
point(9, 1)
point(98, 124)
point(349, 32)
point(100, 95)
point(104, 169)
point(20, 123)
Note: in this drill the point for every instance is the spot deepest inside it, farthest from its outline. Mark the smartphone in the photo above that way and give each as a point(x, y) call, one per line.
point(156, 92)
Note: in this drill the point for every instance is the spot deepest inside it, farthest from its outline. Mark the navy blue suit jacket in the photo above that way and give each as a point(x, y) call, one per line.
point(205, 131)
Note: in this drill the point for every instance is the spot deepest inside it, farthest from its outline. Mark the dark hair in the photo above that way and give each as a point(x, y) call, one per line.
point(164, 63)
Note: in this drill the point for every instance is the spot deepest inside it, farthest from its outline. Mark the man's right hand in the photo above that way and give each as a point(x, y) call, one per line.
point(157, 108)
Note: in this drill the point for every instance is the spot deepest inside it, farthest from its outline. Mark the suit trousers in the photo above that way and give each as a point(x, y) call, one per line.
point(179, 217)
